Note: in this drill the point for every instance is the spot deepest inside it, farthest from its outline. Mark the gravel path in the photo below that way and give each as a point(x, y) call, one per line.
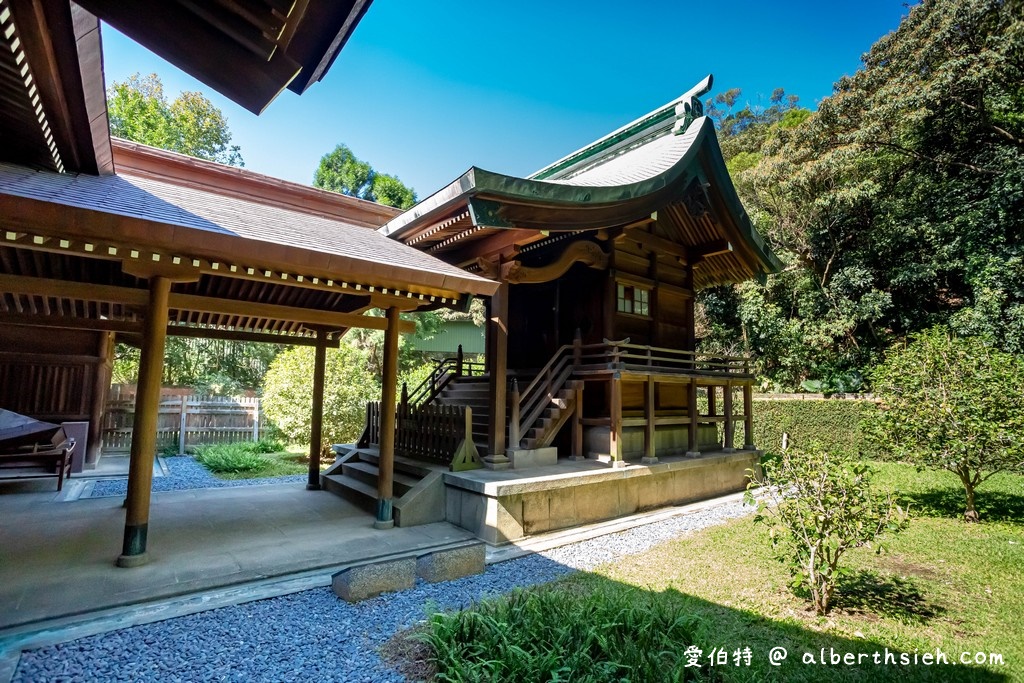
point(314, 635)
point(186, 473)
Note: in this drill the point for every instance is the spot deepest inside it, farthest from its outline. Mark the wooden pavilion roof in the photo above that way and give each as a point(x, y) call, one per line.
point(664, 170)
point(264, 256)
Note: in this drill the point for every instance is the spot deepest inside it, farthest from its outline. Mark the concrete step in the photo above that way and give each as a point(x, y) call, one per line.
point(352, 490)
point(413, 468)
point(368, 474)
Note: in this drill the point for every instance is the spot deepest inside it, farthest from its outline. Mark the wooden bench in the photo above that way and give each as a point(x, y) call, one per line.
point(53, 458)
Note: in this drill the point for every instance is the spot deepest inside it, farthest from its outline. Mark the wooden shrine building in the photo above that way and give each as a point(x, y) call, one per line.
point(590, 334)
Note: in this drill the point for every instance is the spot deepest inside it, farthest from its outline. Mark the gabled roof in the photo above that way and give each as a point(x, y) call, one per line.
point(666, 165)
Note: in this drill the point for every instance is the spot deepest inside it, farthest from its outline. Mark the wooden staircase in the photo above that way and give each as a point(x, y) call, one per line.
point(555, 414)
point(354, 475)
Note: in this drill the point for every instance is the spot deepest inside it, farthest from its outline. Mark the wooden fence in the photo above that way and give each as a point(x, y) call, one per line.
point(185, 421)
point(428, 432)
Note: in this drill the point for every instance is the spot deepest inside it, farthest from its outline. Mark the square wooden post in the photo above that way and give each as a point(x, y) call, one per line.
point(650, 425)
point(577, 426)
point(316, 414)
point(615, 422)
point(730, 425)
point(691, 406)
point(144, 426)
point(748, 417)
point(497, 382)
point(388, 399)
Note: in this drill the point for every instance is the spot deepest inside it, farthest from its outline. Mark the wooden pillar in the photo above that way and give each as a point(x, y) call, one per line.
point(712, 401)
point(691, 407)
point(144, 426)
point(100, 387)
point(388, 397)
point(730, 425)
point(615, 423)
point(748, 417)
point(650, 423)
point(316, 410)
point(497, 383)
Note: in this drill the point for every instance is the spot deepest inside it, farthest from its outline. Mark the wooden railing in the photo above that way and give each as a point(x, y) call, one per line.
point(622, 355)
point(444, 372)
point(434, 433)
point(527, 406)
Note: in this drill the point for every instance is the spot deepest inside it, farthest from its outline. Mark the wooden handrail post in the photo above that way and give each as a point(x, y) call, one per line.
point(458, 362)
point(405, 395)
point(577, 347)
point(513, 422)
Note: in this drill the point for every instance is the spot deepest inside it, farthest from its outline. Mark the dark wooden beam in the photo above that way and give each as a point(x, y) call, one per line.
point(198, 48)
point(582, 251)
point(655, 243)
point(83, 291)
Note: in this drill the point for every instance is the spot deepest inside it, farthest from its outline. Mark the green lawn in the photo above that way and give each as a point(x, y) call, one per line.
point(943, 584)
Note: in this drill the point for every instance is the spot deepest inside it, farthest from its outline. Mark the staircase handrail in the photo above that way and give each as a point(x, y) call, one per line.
point(443, 373)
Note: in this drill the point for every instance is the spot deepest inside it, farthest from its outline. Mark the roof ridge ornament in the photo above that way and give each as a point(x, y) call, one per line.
point(690, 108)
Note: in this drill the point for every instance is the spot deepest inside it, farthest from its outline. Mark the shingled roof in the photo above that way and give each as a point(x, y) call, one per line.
point(666, 163)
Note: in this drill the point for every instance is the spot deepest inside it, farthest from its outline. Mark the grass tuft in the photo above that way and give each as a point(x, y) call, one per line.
point(555, 635)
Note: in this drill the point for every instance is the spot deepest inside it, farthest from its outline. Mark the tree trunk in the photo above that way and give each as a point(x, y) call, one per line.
point(970, 514)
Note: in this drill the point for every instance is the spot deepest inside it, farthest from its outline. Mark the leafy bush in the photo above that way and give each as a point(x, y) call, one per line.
point(231, 457)
point(266, 446)
point(818, 505)
point(952, 404)
point(553, 635)
point(834, 424)
point(288, 393)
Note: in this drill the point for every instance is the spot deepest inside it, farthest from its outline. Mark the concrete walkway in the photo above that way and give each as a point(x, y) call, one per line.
point(57, 558)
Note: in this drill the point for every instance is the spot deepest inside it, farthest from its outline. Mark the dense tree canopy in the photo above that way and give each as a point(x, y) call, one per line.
point(139, 111)
point(898, 205)
point(341, 171)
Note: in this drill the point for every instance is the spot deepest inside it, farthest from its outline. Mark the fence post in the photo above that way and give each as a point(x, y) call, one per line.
point(577, 347)
point(458, 362)
point(256, 420)
point(182, 424)
point(405, 394)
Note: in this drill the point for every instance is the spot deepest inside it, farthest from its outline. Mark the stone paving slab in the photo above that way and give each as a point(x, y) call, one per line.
point(57, 558)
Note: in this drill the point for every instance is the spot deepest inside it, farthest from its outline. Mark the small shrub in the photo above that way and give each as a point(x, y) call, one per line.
point(348, 386)
point(555, 635)
point(231, 458)
point(952, 404)
point(818, 505)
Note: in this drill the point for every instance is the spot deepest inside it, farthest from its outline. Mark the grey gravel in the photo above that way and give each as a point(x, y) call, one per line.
point(313, 633)
point(185, 474)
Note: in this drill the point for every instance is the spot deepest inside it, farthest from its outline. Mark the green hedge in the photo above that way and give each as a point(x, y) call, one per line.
point(834, 423)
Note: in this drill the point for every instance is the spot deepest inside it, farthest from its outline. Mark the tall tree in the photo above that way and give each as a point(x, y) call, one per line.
point(898, 204)
point(138, 110)
point(341, 171)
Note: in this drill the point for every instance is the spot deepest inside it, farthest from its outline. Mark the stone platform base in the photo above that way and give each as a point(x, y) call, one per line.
point(502, 507)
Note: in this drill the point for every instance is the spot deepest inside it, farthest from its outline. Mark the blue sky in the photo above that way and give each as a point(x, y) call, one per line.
point(424, 90)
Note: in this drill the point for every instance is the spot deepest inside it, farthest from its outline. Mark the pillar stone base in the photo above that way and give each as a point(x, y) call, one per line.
point(129, 561)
